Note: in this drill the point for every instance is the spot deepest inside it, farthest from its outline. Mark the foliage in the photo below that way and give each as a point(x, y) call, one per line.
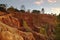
point(58, 32)
point(3, 5)
point(23, 11)
point(42, 30)
point(26, 26)
point(2, 9)
point(35, 11)
point(11, 9)
point(58, 16)
point(58, 28)
point(16, 10)
point(42, 10)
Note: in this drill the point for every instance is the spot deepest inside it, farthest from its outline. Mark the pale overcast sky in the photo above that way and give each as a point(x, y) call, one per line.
point(50, 6)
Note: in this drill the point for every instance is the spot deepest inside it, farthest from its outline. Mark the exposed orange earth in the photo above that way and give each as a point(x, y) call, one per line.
point(28, 26)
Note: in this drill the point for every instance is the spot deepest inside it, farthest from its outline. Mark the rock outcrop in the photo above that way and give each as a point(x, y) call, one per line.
point(29, 26)
point(9, 33)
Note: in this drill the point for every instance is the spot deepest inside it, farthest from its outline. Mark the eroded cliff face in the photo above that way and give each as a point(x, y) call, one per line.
point(9, 33)
point(28, 26)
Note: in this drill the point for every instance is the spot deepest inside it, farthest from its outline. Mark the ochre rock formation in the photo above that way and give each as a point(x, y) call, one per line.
point(28, 25)
point(9, 33)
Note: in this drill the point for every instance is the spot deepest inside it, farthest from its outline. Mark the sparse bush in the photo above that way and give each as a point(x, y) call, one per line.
point(23, 11)
point(35, 11)
point(12, 9)
point(58, 28)
point(2, 9)
point(16, 10)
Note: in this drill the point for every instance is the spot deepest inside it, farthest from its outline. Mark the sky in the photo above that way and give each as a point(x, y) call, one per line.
point(50, 6)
